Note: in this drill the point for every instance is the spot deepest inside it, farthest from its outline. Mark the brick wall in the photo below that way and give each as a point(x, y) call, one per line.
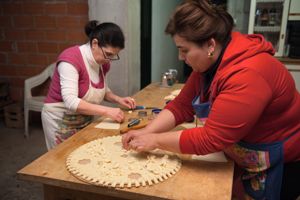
point(33, 33)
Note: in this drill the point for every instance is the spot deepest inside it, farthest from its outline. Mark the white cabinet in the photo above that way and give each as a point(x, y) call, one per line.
point(269, 18)
point(294, 10)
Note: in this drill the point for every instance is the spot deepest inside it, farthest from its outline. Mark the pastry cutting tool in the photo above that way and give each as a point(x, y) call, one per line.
point(133, 125)
point(142, 113)
point(144, 107)
point(133, 122)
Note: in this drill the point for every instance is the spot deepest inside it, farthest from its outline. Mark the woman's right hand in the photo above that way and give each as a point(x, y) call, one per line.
point(115, 114)
point(127, 137)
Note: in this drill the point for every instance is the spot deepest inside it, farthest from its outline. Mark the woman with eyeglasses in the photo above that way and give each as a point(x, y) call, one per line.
point(79, 84)
point(246, 97)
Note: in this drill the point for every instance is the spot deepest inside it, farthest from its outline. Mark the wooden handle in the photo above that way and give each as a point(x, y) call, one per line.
point(142, 124)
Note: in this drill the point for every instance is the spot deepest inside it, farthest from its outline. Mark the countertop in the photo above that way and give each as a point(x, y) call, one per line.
point(195, 180)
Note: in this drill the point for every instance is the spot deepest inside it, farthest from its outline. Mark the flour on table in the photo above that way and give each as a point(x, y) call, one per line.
point(108, 123)
point(105, 162)
point(169, 97)
point(172, 96)
point(176, 92)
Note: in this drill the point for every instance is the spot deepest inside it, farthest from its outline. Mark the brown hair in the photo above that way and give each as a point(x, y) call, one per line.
point(198, 21)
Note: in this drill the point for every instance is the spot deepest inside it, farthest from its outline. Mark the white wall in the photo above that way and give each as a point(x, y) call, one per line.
point(164, 52)
point(239, 10)
point(124, 75)
point(294, 9)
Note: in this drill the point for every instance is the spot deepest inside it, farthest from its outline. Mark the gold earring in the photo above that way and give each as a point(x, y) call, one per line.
point(210, 54)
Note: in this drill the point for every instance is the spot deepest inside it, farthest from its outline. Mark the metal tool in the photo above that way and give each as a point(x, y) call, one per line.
point(133, 122)
point(144, 107)
point(140, 125)
point(142, 113)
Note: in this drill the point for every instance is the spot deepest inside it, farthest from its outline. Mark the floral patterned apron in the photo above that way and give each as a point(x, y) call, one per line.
point(72, 121)
point(63, 123)
point(262, 164)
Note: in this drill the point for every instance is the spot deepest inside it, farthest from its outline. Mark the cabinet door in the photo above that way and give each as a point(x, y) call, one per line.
point(294, 13)
point(269, 18)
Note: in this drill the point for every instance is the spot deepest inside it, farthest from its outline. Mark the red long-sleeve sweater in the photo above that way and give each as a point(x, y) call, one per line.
point(254, 100)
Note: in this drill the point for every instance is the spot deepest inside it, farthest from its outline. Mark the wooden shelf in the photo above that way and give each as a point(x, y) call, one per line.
point(267, 29)
point(269, 1)
point(287, 60)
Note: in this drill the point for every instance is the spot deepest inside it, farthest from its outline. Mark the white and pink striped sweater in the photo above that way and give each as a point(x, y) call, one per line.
point(71, 79)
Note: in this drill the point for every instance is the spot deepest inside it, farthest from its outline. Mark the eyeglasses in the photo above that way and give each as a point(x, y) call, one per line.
point(110, 56)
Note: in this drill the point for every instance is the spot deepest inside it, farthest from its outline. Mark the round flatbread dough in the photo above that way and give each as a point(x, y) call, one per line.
point(105, 162)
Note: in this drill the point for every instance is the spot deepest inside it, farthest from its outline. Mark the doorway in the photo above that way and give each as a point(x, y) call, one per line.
point(146, 34)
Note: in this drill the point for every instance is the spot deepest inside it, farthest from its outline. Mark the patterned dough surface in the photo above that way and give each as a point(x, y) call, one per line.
point(105, 162)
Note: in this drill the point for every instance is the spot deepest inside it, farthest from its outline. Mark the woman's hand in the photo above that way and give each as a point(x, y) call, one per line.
point(139, 141)
point(115, 113)
point(145, 142)
point(127, 102)
point(129, 136)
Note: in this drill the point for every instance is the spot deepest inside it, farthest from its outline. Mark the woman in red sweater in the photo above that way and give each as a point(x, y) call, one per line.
point(247, 98)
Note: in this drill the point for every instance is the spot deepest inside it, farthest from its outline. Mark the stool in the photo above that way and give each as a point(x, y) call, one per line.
point(14, 116)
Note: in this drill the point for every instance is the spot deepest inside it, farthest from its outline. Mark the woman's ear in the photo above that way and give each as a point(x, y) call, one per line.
point(94, 43)
point(211, 44)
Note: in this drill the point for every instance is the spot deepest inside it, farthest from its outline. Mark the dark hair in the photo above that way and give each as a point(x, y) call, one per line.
point(106, 33)
point(198, 21)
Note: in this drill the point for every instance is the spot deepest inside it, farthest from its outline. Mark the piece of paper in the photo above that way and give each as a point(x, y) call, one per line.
point(188, 125)
point(213, 157)
point(108, 123)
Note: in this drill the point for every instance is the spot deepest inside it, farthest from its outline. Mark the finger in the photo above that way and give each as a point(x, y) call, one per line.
point(140, 148)
point(118, 118)
point(125, 139)
point(133, 145)
point(132, 99)
point(122, 117)
point(132, 103)
point(129, 104)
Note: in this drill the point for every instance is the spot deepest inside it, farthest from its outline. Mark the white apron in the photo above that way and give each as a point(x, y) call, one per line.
point(53, 113)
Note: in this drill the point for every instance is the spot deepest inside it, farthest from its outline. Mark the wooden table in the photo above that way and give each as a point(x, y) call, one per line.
point(195, 179)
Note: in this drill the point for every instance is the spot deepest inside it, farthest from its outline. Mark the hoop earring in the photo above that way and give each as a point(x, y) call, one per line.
point(210, 54)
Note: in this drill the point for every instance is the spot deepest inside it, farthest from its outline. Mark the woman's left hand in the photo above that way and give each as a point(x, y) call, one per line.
point(128, 102)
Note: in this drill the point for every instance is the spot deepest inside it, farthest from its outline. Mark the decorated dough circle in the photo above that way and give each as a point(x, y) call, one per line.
point(105, 162)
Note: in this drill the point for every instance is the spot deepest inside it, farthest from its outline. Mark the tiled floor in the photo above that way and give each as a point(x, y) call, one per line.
point(16, 152)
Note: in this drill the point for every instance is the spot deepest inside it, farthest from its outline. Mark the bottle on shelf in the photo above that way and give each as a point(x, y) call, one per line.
point(258, 17)
point(264, 18)
point(272, 17)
